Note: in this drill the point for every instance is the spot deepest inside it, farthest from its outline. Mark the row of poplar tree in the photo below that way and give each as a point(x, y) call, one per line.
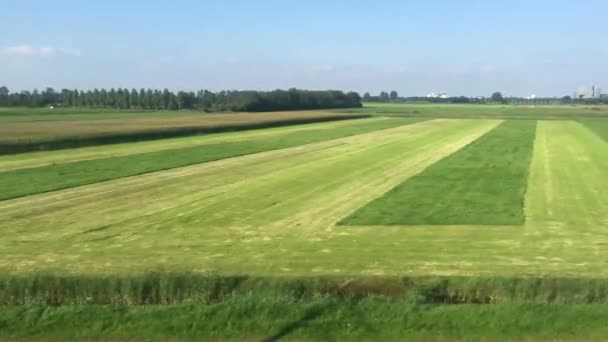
point(291, 99)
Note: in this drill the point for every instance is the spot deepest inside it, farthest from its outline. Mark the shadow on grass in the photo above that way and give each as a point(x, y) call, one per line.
point(309, 316)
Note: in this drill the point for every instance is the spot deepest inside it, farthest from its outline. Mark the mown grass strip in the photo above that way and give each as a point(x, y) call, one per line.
point(599, 127)
point(246, 318)
point(482, 184)
point(36, 138)
point(479, 111)
point(19, 183)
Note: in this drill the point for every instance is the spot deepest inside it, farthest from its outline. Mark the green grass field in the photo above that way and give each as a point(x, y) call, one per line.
point(477, 111)
point(484, 184)
point(470, 229)
point(321, 319)
point(56, 176)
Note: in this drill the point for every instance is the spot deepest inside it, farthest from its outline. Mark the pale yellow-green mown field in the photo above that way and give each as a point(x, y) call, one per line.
point(37, 159)
point(275, 213)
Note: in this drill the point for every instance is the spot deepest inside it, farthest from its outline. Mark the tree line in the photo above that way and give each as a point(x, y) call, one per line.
point(383, 97)
point(149, 99)
point(496, 97)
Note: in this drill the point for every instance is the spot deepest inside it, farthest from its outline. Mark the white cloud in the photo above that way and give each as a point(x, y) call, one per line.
point(21, 50)
point(71, 52)
point(44, 51)
point(488, 68)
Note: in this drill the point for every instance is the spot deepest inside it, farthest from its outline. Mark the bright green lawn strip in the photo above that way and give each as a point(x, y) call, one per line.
point(483, 184)
point(250, 318)
point(19, 183)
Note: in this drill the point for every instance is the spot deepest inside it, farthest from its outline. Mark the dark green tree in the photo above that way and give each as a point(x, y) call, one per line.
point(134, 99)
point(394, 95)
point(149, 99)
point(384, 97)
point(4, 96)
point(143, 103)
point(97, 102)
point(497, 97)
point(103, 98)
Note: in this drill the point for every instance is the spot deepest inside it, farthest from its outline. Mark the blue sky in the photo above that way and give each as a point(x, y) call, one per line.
point(465, 47)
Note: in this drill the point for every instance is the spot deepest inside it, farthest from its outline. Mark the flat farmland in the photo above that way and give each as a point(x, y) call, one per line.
point(44, 129)
point(485, 111)
point(28, 127)
point(333, 224)
point(88, 167)
point(276, 213)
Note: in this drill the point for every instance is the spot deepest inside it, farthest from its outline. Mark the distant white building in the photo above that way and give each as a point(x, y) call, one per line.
point(438, 95)
point(588, 93)
point(596, 92)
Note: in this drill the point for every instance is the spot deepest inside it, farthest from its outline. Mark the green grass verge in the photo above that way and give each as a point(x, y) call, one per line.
point(317, 319)
point(189, 288)
point(484, 183)
point(19, 183)
point(190, 306)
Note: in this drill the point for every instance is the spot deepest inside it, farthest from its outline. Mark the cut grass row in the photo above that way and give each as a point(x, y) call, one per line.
point(599, 127)
point(42, 158)
point(66, 114)
point(476, 111)
point(482, 184)
point(19, 183)
point(256, 214)
point(319, 319)
point(274, 213)
point(19, 137)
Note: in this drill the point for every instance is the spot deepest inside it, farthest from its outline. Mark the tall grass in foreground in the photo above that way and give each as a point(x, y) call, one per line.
point(192, 288)
point(196, 307)
point(373, 319)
